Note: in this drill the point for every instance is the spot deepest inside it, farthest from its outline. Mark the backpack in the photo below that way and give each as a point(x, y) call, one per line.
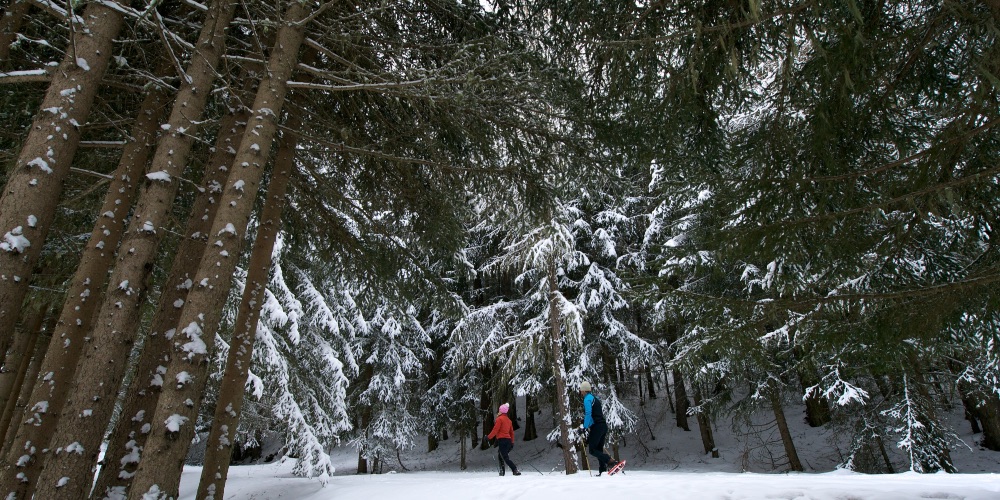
point(596, 411)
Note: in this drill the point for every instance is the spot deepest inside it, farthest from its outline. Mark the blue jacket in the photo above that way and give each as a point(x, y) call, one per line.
point(592, 413)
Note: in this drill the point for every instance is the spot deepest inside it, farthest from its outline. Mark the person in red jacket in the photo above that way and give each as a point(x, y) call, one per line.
point(503, 431)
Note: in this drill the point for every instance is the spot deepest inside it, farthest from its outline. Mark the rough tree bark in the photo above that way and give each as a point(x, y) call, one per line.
point(91, 401)
point(10, 23)
point(34, 186)
point(173, 423)
point(786, 435)
point(41, 346)
point(128, 437)
point(559, 372)
point(85, 289)
point(229, 406)
point(15, 364)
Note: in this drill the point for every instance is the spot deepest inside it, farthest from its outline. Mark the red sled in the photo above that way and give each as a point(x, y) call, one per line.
point(617, 467)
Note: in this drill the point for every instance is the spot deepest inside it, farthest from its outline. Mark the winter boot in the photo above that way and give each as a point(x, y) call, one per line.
point(517, 472)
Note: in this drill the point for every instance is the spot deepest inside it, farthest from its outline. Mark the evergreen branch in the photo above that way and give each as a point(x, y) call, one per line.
point(893, 164)
point(704, 30)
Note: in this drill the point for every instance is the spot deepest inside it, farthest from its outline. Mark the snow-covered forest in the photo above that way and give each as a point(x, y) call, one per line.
point(364, 225)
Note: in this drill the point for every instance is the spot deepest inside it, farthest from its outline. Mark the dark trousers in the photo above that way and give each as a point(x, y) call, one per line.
point(595, 444)
point(505, 445)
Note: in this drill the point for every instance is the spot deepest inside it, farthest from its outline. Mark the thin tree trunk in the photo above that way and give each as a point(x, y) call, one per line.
point(559, 372)
point(30, 198)
point(16, 364)
point(649, 382)
point(159, 472)
point(229, 406)
point(100, 371)
point(41, 347)
point(462, 463)
point(705, 426)
point(16, 356)
point(786, 435)
point(682, 403)
point(530, 408)
point(128, 437)
point(885, 456)
point(86, 289)
point(10, 24)
point(486, 410)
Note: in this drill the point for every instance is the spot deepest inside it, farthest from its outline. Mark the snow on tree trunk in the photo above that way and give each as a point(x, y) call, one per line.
point(15, 364)
point(41, 345)
point(86, 289)
point(34, 186)
point(229, 406)
point(128, 437)
point(10, 24)
point(173, 422)
point(559, 373)
point(100, 372)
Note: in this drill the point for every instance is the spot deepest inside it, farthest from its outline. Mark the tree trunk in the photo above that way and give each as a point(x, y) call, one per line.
point(86, 288)
point(989, 414)
point(705, 426)
point(463, 464)
point(100, 370)
point(530, 408)
point(885, 456)
point(786, 435)
point(159, 472)
point(649, 382)
point(971, 415)
point(16, 364)
point(41, 347)
point(682, 403)
point(10, 24)
point(128, 437)
point(362, 463)
point(231, 390)
point(817, 406)
point(34, 186)
point(559, 373)
point(18, 355)
point(486, 410)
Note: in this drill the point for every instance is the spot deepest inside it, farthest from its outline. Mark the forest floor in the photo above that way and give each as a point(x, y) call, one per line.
point(671, 466)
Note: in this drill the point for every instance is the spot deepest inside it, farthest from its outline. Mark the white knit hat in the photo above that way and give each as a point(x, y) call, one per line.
point(585, 386)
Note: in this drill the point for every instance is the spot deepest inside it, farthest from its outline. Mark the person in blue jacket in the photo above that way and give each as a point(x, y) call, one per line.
point(596, 428)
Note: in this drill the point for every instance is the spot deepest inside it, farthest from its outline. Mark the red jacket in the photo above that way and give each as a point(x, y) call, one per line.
point(502, 428)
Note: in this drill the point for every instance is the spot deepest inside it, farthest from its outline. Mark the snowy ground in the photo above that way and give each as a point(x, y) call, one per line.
point(275, 481)
point(671, 466)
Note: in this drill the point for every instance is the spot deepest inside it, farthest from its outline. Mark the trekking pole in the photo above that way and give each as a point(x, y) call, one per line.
point(586, 462)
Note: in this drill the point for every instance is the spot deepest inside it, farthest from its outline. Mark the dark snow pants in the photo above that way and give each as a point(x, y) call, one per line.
point(595, 444)
point(505, 445)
